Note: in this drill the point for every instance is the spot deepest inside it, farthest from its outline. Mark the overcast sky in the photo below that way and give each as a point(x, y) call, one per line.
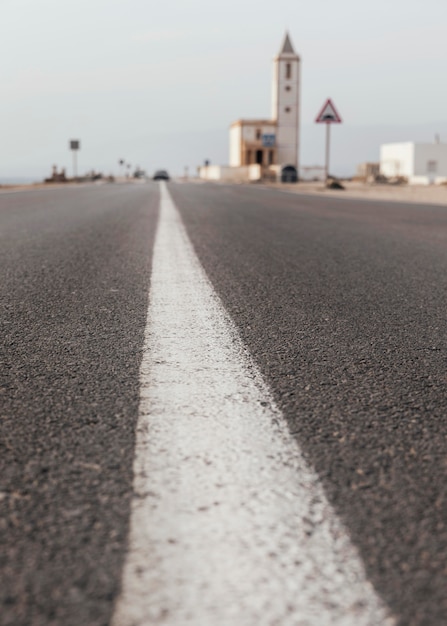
point(158, 82)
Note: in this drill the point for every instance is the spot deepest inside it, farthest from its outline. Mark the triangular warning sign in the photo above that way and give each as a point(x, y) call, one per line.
point(328, 114)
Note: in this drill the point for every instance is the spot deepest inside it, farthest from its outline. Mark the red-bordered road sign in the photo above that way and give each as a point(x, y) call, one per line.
point(328, 114)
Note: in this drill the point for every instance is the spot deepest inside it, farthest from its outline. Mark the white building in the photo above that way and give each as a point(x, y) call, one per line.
point(262, 148)
point(253, 142)
point(419, 163)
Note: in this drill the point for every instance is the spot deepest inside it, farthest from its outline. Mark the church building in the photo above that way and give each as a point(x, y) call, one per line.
point(268, 148)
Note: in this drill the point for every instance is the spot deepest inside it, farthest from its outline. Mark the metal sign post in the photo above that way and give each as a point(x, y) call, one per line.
point(328, 151)
point(328, 115)
point(75, 145)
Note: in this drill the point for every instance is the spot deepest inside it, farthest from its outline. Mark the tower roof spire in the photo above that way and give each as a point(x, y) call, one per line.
point(287, 47)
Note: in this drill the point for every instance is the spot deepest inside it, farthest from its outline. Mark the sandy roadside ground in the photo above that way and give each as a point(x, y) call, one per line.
point(67, 185)
point(34, 186)
point(422, 194)
point(31, 187)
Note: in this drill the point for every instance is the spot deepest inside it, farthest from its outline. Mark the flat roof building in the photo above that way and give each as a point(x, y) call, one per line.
point(419, 163)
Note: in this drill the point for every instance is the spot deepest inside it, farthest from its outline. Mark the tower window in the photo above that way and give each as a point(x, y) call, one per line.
point(287, 109)
point(258, 133)
point(288, 88)
point(288, 70)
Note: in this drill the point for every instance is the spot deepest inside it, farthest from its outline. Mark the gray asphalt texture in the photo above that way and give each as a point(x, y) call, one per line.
point(75, 269)
point(342, 303)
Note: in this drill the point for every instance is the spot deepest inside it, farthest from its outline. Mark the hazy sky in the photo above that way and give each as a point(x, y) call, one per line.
point(158, 82)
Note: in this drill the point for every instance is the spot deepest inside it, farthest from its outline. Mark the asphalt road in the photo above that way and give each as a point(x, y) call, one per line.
point(342, 305)
point(75, 268)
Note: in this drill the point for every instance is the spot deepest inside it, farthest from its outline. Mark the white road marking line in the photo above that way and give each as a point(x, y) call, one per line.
point(229, 525)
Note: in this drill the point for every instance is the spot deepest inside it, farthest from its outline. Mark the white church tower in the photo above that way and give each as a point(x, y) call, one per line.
point(285, 103)
point(267, 149)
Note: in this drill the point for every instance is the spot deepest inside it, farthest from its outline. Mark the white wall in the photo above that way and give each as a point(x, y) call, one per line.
point(254, 172)
point(312, 173)
point(397, 159)
point(235, 145)
point(225, 173)
point(430, 162)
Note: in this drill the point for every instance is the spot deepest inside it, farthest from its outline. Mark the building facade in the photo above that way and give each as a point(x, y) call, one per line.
point(253, 142)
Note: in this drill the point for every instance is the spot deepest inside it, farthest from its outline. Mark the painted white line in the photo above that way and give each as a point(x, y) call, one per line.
point(229, 525)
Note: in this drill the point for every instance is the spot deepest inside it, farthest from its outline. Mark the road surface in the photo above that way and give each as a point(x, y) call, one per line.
point(320, 321)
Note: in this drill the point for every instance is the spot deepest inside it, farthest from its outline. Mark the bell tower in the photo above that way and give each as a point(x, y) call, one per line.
point(285, 103)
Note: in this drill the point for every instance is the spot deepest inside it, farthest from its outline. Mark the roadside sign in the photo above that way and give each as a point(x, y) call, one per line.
point(75, 145)
point(328, 114)
point(268, 140)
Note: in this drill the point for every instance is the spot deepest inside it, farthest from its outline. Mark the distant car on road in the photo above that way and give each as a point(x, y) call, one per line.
point(161, 175)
